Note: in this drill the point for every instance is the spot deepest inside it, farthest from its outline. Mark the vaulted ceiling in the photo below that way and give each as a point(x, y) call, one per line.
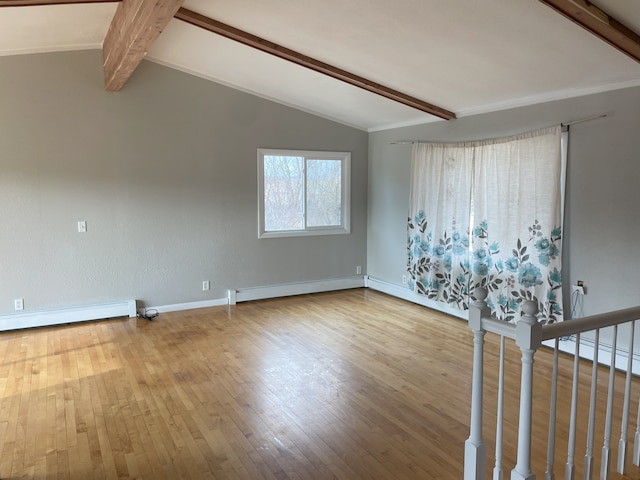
point(372, 64)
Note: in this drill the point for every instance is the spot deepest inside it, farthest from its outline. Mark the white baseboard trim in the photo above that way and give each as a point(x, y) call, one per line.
point(128, 308)
point(587, 350)
point(289, 289)
point(45, 318)
point(587, 346)
point(176, 307)
point(406, 294)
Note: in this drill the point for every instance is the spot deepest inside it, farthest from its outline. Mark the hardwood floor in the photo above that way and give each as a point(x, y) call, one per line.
point(344, 385)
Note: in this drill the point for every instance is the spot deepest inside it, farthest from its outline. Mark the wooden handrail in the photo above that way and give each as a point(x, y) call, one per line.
point(500, 327)
point(568, 327)
point(593, 322)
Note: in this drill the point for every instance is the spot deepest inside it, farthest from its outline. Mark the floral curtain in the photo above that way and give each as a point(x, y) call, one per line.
point(488, 214)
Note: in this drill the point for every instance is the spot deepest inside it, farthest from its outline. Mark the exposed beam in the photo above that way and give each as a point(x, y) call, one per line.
point(35, 3)
point(135, 26)
point(599, 23)
point(292, 56)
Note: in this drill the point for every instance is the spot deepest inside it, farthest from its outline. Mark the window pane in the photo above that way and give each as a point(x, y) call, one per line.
point(324, 192)
point(283, 190)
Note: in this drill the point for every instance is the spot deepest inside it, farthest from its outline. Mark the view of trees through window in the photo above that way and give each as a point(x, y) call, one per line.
point(324, 188)
point(301, 192)
point(283, 193)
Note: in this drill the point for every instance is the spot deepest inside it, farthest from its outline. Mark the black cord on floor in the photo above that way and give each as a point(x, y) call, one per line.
point(575, 299)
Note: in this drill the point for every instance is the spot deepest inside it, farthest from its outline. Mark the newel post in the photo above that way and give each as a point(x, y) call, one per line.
point(475, 450)
point(529, 339)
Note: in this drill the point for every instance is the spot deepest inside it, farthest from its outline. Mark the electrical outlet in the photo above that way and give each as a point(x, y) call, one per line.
point(359, 270)
point(18, 304)
point(404, 279)
point(205, 285)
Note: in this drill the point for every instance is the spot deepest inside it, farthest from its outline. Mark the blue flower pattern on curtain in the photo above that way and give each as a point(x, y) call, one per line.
point(432, 266)
point(448, 260)
point(514, 276)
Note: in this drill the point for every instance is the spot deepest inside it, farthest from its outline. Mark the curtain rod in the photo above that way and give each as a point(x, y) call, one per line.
point(582, 120)
point(563, 124)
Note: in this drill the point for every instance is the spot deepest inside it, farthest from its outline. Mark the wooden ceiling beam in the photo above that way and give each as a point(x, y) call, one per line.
point(135, 26)
point(137, 23)
point(298, 58)
point(599, 23)
point(36, 3)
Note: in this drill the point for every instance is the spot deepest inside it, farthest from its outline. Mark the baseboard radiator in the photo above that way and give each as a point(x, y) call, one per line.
point(289, 289)
point(16, 321)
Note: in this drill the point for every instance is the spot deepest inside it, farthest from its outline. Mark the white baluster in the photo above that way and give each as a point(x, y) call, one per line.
point(636, 440)
point(528, 338)
point(605, 461)
point(475, 450)
point(570, 468)
point(551, 441)
point(588, 457)
point(622, 444)
point(498, 473)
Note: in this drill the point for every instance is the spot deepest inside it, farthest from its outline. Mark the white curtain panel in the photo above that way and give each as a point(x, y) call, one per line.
point(438, 230)
point(488, 214)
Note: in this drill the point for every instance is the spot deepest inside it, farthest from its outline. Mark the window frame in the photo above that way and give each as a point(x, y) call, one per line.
point(345, 207)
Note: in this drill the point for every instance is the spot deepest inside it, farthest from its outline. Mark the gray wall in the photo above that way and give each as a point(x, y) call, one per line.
point(602, 218)
point(164, 173)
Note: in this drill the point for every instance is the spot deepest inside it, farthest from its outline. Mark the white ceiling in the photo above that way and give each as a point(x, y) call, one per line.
point(467, 56)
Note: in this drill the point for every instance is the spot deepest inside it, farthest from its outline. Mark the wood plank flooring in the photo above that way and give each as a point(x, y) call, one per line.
point(344, 385)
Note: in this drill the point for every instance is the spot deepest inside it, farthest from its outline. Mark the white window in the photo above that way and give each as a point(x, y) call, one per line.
point(303, 193)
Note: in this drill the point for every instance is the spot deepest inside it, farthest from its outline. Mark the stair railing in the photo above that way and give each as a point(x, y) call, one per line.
point(529, 335)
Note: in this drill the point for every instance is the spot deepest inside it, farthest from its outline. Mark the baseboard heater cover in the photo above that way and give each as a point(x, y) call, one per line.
point(587, 352)
point(405, 293)
point(45, 318)
point(587, 346)
point(177, 307)
point(289, 289)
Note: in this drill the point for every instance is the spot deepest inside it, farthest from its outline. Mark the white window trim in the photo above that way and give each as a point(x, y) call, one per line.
point(344, 157)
